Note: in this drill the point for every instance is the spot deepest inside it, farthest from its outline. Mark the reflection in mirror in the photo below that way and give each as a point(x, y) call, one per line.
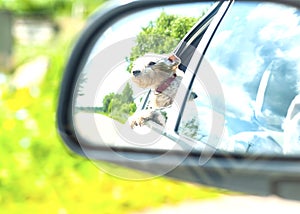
point(128, 92)
point(116, 90)
point(256, 58)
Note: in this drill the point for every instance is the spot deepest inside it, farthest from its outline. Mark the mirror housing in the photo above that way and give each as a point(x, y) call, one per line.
point(253, 174)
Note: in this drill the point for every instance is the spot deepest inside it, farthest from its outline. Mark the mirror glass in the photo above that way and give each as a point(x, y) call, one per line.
point(185, 77)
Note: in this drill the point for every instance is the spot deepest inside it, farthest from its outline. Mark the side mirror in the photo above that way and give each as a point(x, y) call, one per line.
point(206, 92)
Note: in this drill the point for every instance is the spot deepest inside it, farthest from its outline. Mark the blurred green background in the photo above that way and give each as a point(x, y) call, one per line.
point(37, 172)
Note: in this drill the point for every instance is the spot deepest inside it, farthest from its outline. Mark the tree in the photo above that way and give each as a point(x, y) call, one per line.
point(162, 35)
point(119, 106)
point(127, 94)
point(190, 128)
point(106, 101)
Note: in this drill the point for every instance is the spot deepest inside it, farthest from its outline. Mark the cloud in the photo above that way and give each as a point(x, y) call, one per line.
point(250, 39)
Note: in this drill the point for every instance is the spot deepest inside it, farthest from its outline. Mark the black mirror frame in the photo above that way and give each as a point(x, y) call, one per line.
point(250, 174)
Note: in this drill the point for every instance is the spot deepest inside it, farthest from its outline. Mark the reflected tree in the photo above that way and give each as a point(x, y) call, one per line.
point(119, 106)
point(190, 128)
point(162, 35)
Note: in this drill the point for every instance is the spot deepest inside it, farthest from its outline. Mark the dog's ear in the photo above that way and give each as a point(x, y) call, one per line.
point(175, 61)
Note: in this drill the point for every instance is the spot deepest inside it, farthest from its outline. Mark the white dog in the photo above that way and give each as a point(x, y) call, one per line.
point(158, 73)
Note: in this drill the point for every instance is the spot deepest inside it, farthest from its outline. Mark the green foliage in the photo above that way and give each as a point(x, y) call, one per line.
point(106, 102)
point(119, 106)
point(127, 94)
point(162, 35)
point(39, 175)
point(33, 7)
point(49, 7)
point(190, 128)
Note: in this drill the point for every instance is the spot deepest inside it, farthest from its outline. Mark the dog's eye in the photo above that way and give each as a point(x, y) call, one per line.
point(151, 63)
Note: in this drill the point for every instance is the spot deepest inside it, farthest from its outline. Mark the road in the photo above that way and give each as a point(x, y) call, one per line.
point(98, 129)
point(232, 205)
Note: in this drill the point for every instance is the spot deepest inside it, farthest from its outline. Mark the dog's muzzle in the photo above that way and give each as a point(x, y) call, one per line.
point(136, 72)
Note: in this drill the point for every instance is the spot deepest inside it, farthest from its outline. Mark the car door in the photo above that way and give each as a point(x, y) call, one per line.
point(261, 70)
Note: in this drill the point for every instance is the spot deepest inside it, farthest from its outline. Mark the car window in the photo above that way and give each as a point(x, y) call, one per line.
point(189, 43)
point(255, 56)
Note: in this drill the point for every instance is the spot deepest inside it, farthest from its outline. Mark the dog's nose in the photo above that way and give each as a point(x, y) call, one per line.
point(136, 72)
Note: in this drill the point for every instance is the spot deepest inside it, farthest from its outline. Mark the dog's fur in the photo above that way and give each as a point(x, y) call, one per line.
point(158, 73)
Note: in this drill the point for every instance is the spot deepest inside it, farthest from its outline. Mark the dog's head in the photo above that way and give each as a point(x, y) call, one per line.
point(150, 70)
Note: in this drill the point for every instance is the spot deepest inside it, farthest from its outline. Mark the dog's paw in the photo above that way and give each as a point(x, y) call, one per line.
point(136, 121)
point(139, 119)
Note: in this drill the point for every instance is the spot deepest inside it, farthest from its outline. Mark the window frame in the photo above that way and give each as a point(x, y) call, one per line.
point(173, 124)
point(187, 138)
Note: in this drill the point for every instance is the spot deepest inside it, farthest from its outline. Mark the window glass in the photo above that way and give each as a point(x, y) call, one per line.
point(255, 55)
